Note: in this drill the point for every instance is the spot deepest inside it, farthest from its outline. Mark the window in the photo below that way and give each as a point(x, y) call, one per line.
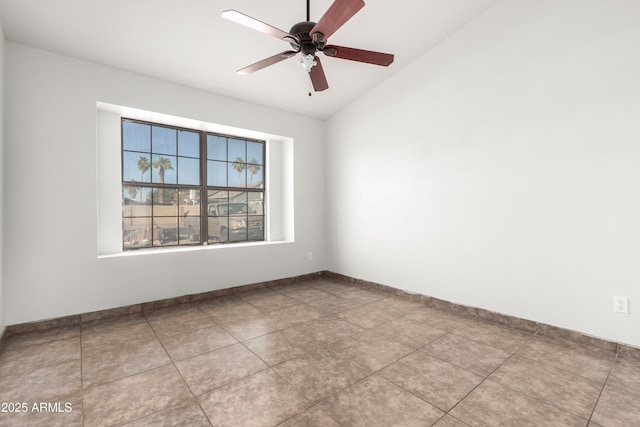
point(188, 187)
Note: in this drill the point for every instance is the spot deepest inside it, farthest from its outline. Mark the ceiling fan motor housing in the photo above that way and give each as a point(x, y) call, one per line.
point(307, 45)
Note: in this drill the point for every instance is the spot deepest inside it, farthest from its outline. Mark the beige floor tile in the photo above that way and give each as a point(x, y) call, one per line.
point(396, 306)
point(99, 340)
point(617, 407)
point(408, 332)
point(41, 384)
point(361, 296)
point(275, 348)
point(263, 399)
point(111, 324)
point(218, 368)
point(475, 357)
point(377, 402)
point(169, 311)
point(439, 383)
point(230, 309)
point(299, 313)
point(589, 362)
point(122, 361)
point(563, 389)
point(134, 397)
point(366, 317)
point(269, 302)
point(23, 360)
point(41, 337)
point(245, 329)
point(180, 323)
point(306, 294)
point(372, 350)
point(313, 417)
point(187, 414)
point(625, 375)
point(497, 405)
point(505, 339)
point(321, 332)
point(333, 304)
point(321, 374)
point(438, 319)
point(449, 421)
point(193, 342)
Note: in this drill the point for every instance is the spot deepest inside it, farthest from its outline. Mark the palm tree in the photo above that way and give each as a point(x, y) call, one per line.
point(253, 168)
point(162, 164)
point(143, 167)
point(239, 166)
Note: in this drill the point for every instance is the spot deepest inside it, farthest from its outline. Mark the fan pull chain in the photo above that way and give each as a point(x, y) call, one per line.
point(309, 87)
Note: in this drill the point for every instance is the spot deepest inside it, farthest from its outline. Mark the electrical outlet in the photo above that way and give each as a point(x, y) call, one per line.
point(621, 304)
point(310, 256)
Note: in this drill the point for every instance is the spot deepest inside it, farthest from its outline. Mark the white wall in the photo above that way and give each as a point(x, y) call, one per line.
point(52, 267)
point(501, 169)
point(2, 181)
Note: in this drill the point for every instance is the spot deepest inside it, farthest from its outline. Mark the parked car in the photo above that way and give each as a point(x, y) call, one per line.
point(228, 222)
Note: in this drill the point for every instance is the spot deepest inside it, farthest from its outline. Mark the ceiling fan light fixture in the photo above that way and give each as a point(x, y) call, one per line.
point(307, 62)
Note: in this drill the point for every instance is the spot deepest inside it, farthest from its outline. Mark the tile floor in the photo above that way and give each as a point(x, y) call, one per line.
point(319, 353)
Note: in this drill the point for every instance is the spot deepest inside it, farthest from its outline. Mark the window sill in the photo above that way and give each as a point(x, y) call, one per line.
point(179, 249)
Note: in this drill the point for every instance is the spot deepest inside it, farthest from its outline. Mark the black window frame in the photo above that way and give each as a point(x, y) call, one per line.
point(252, 218)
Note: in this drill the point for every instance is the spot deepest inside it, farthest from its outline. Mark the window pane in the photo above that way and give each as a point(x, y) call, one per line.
point(190, 231)
point(165, 231)
point(188, 144)
point(136, 136)
point(136, 232)
point(163, 169)
point(255, 202)
point(217, 196)
point(256, 227)
point(190, 197)
point(135, 167)
point(238, 210)
point(237, 150)
point(218, 229)
point(163, 140)
point(237, 174)
point(256, 179)
point(188, 171)
point(136, 201)
point(160, 210)
point(254, 152)
point(237, 228)
point(216, 173)
point(165, 197)
point(216, 147)
point(189, 216)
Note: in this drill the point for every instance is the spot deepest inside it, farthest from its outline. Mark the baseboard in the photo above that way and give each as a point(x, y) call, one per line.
point(525, 325)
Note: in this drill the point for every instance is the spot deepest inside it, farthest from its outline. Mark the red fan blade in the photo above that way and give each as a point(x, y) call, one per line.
point(266, 62)
point(335, 17)
point(247, 21)
point(368, 56)
point(317, 76)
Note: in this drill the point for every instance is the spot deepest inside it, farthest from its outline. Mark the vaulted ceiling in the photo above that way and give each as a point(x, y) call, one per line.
point(188, 42)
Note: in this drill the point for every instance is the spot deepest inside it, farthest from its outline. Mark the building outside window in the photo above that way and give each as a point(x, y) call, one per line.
point(188, 187)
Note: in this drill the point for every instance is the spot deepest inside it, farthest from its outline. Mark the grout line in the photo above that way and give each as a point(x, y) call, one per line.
point(603, 386)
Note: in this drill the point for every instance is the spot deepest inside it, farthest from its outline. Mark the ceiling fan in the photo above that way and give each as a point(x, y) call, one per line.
point(308, 37)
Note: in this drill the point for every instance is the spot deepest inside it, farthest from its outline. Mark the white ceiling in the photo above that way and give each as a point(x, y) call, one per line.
point(187, 42)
